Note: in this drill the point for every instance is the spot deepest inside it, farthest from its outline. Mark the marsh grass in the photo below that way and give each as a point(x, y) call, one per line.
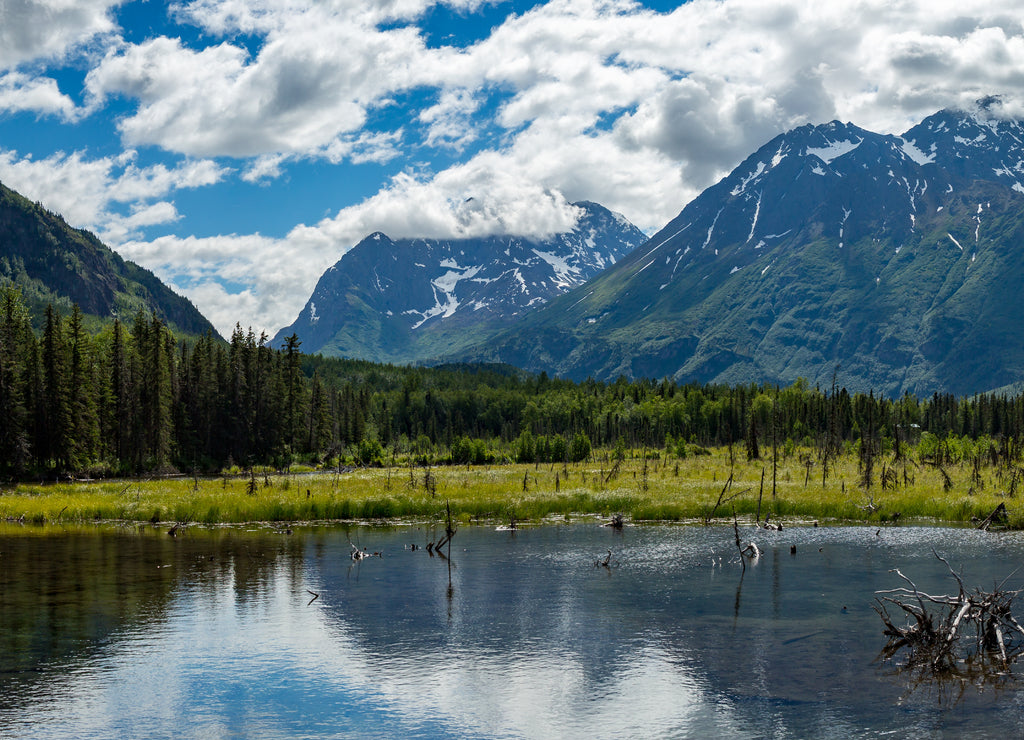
point(672, 490)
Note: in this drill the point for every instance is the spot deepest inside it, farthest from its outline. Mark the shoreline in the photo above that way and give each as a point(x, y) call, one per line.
point(701, 489)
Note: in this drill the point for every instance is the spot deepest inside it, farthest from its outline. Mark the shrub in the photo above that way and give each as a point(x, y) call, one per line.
point(579, 448)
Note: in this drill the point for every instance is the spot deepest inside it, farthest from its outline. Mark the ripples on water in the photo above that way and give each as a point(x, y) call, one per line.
point(117, 632)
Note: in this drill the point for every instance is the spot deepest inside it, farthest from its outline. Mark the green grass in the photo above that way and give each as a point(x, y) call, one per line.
point(675, 490)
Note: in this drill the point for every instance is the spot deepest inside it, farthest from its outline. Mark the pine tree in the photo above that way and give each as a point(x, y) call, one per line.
point(15, 334)
point(118, 396)
point(56, 430)
point(84, 425)
point(294, 396)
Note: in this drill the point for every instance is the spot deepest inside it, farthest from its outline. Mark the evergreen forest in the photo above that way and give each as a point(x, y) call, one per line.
point(133, 399)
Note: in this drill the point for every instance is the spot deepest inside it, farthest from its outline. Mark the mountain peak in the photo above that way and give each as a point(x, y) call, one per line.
point(892, 258)
point(982, 142)
point(409, 300)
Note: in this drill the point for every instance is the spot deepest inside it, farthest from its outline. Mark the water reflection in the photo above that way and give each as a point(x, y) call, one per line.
point(131, 633)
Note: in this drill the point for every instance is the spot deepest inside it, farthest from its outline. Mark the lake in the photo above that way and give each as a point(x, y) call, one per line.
point(124, 631)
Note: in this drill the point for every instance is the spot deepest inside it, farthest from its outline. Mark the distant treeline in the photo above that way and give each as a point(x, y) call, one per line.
point(133, 400)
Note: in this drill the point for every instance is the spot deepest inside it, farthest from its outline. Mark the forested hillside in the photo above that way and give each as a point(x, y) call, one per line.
point(53, 263)
point(133, 399)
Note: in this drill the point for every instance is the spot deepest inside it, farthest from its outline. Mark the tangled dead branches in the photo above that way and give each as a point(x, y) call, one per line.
point(970, 632)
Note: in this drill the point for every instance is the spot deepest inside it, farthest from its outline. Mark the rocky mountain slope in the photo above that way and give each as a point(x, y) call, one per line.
point(893, 262)
point(410, 300)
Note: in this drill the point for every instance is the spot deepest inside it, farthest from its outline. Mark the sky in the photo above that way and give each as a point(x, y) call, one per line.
point(238, 148)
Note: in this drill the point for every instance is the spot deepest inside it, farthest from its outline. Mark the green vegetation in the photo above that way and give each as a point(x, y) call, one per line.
point(651, 485)
point(53, 264)
point(497, 443)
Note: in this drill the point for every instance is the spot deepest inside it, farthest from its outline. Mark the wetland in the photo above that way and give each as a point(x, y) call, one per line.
point(252, 631)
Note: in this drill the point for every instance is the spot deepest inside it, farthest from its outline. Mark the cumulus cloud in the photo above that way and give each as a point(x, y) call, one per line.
point(307, 92)
point(572, 99)
point(90, 192)
point(43, 29)
point(449, 121)
point(235, 278)
point(701, 85)
point(20, 92)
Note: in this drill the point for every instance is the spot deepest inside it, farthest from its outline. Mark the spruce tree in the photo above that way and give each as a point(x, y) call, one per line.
point(15, 333)
point(56, 438)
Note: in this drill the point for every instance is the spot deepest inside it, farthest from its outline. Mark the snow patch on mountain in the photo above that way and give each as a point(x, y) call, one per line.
point(446, 302)
point(834, 150)
point(916, 155)
point(758, 171)
point(565, 275)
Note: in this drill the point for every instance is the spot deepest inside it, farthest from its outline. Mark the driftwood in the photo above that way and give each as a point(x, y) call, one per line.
point(434, 548)
point(968, 632)
point(363, 554)
point(607, 562)
point(998, 516)
point(617, 521)
point(751, 551)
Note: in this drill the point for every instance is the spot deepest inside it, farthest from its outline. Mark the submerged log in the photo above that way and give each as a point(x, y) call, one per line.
point(363, 554)
point(616, 522)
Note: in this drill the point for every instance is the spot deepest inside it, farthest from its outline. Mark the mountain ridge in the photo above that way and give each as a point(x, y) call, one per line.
point(53, 263)
point(411, 300)
point(831, 250)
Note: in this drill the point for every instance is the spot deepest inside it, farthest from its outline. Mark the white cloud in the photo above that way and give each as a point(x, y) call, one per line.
point(274, 284)
point(89, 192)
point(449, 121)
point(306, 93)
point(20, 92)
point(48, 29)
point(264, 168)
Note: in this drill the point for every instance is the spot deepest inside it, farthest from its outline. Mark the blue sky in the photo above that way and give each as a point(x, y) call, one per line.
point(239, 147)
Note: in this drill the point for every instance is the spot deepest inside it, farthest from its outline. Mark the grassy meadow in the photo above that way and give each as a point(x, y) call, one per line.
point(703, 487)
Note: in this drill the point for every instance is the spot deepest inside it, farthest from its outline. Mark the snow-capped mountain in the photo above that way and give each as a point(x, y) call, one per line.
point(977, 144)
point(894, 262)
point(408, 300)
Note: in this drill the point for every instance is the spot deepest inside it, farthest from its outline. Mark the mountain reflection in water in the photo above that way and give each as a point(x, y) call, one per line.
point(124, 631)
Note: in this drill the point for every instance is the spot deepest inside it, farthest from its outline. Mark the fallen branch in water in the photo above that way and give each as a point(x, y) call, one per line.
point(616, 522)
point(358, 554)
point(606, 563)
point(971, 631)
point(751, 550)
point(998, 516)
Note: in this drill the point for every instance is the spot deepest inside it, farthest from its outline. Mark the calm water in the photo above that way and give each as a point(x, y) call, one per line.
point(126, 632)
